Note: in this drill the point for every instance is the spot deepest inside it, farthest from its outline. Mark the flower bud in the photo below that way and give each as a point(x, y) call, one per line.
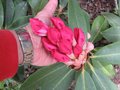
point(59, 56)
point(77, 50)
point(48, 45)
point(90, 47)
point(65, 46)
point(53, 35)
point(79, 36)
point(80, 39)
point(57, 22)
point(67, 34)
point(38, 27)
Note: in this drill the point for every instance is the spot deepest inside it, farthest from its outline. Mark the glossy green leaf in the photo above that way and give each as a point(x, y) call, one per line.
point(9, 12)
point(112, 34)
point(21, 22)
point(54, 77)
point(113, 19)
point(108, 54)
point(85, 82)
point(102, 82)
point(99, 24)
point(87, 19)
point(20, 10)
point(110, 69)
point(63, 3)
point(19, 76)
point(37, 5)
point(1, 85)
point(107, 69)
point(3, 2)
point(1, 14)
point(118, 10)
point(16, 2)
point(77, 17)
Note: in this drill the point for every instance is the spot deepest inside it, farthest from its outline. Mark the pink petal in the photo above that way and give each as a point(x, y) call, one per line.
point(88, 35)
point(90, 47)
point(79, 36)
point(59, 56)
point(65, 46)
point(74, 43)
point(71, 56)
point(38, 27)
point(80, 61)
point(53, 35)
point(67, 34)
point(82, 56)
point(77, 50)
point(69, 63)
point(48, 45)
point(77, 64)
point(57, 22)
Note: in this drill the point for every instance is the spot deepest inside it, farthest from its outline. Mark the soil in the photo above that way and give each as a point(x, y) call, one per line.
point(95, 7)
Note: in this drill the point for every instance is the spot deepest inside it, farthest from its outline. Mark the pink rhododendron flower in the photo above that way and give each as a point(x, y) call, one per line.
point(38, 27)
point(65, 46)
point(48, 45)
point(67, 33)
point(53, 35)
point(80, 39)
point(62, 43)
point(59, 56)
point(58, 23)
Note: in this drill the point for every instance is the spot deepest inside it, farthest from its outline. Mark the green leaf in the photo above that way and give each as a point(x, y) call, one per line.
point(21, 22)
point(19, 77)
point(113, 19)
point(87, 19)
point(112, 34)
point(107, 69)
point(77, 17)
point(20, 10)
point(2, 85)
point(54, 77)
point(99, 24)
point(1, 14)
point(85, 82)
point(63, 3)
point(16, 2)
point(102, 82)
point(9, 12)
point(37, 5)
point(108, 54)
point(118, 10)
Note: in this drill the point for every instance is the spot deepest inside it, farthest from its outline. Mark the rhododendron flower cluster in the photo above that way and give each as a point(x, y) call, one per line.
point(64, 44)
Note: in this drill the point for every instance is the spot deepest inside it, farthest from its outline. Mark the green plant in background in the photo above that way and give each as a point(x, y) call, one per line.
point(13, 14)
point(96, 73)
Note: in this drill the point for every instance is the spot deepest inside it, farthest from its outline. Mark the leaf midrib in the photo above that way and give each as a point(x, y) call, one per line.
point(45, 76)
point(112, 21)
point(108, 55)
point(98, 31)
point(74, 12)
point(63, 78)
point(91, 67)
